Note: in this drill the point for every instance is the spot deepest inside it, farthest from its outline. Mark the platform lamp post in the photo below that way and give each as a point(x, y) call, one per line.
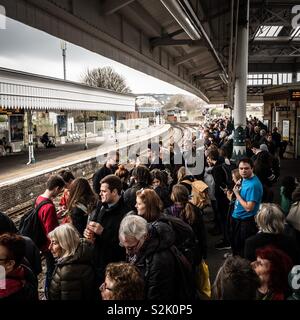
point(63, 45)
point(85, 134)
point(31, 159)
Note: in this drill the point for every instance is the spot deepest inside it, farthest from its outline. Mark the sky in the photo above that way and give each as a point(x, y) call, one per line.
point(27, 49)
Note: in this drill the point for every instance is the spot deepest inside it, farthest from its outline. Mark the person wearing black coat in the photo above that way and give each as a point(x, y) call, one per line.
point(109, 167)
point(103, 225)
point(74, 276)
point(270, 221)
point(148, 247)
point(20, 282)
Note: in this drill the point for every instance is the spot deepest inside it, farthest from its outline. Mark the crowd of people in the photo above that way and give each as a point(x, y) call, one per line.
point(139, 233)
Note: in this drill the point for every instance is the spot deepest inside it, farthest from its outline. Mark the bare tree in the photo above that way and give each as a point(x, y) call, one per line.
point(105, 78)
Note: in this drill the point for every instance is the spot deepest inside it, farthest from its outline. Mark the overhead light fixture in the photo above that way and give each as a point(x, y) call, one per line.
point(176, 10)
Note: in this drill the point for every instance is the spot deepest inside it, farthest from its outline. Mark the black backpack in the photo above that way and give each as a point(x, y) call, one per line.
point(31, 226)
point(185, 280)
point(185, 239)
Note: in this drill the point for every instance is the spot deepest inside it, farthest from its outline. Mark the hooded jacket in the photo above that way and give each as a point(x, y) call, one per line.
point(157, 263)
point(74, 276)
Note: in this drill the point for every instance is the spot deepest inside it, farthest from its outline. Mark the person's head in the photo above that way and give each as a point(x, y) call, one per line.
point(272, 265)
point(264, 147)
point(12, 251)
point(235, 280)
point(245, 168)
point(158, 178)
point(235, 175)
point(110, 189)
point(141, 174)
point(255, 147)
point(64, 241)
point(55, 185)
point(68, 177)
point(112, 158)
point(180, 196)
point(133, 232)
point(81, 192)
point(270, 218)
point(212, 157)
point(148, 204)
point(269, 137)
point(123, 281)
point(122, 172)
point(181, 173)
point(262, 132)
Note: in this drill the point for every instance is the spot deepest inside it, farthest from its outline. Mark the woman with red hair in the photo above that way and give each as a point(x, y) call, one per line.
point(272, 266)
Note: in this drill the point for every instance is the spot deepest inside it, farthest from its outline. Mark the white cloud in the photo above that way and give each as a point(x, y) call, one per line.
point(26, 49)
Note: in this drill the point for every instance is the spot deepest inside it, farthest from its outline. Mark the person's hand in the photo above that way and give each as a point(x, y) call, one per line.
point(89, 235)
point(229, 194)
point(237, 188)
point(95, 227)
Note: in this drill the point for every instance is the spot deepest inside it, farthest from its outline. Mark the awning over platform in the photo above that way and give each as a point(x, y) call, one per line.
point(34, 92)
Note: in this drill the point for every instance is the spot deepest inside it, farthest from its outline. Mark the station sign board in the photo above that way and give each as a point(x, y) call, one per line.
point(9, 112)
point(294, 95)
point(282, 108)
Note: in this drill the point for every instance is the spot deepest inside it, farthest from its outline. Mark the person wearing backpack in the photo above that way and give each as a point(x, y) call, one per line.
point(48, 219)
point(192, 215)
point(150, 247)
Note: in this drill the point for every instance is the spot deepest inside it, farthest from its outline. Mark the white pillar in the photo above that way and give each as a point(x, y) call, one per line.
point(240, 101)
point(85, 133)
point(31, 158)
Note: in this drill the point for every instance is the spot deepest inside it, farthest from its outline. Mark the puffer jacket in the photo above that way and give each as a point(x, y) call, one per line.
point(157, 263)
point(74, 277)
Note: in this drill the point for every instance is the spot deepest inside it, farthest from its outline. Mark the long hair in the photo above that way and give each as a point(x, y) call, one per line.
point(154, 205)
point(281, 265)
point(181, 173)
point(81, 192)
point(67, 237)
point(180, 194)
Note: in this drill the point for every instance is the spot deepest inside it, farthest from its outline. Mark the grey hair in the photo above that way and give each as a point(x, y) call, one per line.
point(67, 237)
point(270, 218)
point(133, 226)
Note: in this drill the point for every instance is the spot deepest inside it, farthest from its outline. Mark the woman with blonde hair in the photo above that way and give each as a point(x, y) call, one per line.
point(270, 221)
point(73, 277)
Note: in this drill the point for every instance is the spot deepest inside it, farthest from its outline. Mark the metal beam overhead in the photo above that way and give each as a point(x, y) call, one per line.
point(187, 57)
point(111, 6)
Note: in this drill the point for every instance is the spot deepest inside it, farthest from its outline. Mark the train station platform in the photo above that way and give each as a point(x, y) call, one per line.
point(13, 167)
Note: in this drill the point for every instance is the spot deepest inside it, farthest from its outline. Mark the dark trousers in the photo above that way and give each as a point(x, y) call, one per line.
point(240, 231)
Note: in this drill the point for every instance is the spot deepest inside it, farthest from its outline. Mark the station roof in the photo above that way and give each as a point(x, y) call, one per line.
point(183, 42)
point(34, 92)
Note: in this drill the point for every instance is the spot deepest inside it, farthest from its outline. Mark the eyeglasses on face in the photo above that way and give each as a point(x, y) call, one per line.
point(131, 248)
